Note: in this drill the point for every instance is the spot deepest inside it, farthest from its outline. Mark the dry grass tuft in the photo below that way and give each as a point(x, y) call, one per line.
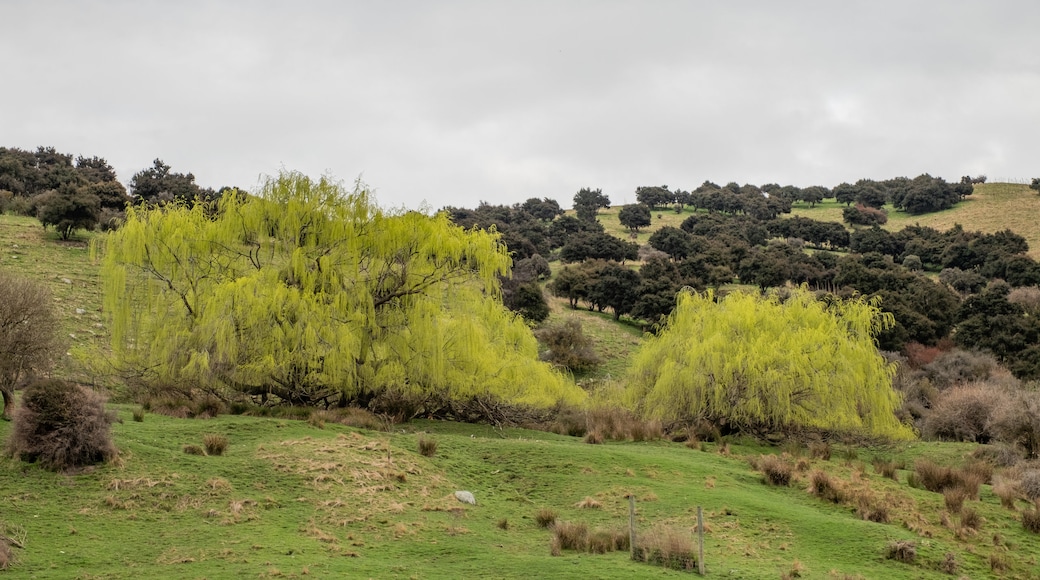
point(822, 486)
point(820, 450)
point(193, 449)
point(1031, 520)
point(971, 519)
point(427, 446)
point(949, 564)
point(139, 414)
point(545, 517)
point(998, 562)
point(593, 438)
point(215, 444)
point(777, 471)
point(503, 524)
point(902, 551)
point(666, 547)
point(1007, 491)
point(869, 508)
point(886, 469)
point(589, 503)
point(954, 498)
point(571, 535)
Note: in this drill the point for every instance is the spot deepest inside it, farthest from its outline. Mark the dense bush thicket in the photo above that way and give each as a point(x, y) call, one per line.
point(61, 426)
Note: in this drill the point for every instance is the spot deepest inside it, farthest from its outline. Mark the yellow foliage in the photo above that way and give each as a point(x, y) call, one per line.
point(308, 290)
point(770, 362)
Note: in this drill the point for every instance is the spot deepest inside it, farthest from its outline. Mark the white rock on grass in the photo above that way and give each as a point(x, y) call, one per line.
point(466, 497)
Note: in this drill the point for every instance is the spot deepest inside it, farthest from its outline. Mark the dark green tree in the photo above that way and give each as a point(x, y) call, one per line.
point(67, 209)
point(654, 196)
point(616, 287)
point(158, 184)
point(634, 216)
point(588, 201)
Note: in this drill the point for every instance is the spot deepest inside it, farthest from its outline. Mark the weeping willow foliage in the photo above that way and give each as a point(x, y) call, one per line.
point(308, 290)
point(762, 362)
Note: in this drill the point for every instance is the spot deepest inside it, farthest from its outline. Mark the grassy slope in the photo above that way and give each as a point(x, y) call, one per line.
point(993, 207)
point(289, 499)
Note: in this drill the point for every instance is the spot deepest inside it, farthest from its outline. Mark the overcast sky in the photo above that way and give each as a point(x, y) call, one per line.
point(451, 103)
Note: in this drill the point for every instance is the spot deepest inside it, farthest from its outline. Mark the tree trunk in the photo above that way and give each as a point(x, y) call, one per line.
point(8, 395)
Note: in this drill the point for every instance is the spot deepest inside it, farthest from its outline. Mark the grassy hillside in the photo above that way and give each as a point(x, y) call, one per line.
point(993, 207)
point(289, 499)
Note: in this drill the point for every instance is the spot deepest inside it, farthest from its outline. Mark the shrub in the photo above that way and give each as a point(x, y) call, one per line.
point(958, 366)
point(6, 557)
point(963, 413)
point(937, 478)
point(215, 444)
point(589, 503)
point(949, 564)
point(864, 216)
point(820, 450)
point(571, 536)
point(870, 509)
point(667, 547)
point(1016, 420)
point(1031, 520)
point(192, 449)
point(777, 471)
point(822, 486)
point(954, 498)
point(139, 414)
point(998, 562)
point(593, 438)
point(503, 524)
point(971, 519)
point(602, 541)
point(568, 346)
point(1029, 484)
point(885, 468)
point(902, 551)
point(427, 446)
point(545, 517)
point(61, 426)
point(1000, 454)
point(28, 334)
point(1007, 491)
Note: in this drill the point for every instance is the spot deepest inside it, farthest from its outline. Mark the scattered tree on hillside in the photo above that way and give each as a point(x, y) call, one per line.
point(1035, 184)
point(588, 201)
point(615, 287)
point(308, 292)
point(68, 209)
point(634, 216)
point(28, 334)
point(654, 196)
point(158, 184)
point(720, 360)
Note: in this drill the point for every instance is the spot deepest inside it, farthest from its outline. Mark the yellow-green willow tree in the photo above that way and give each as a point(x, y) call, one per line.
point(769, 363)
point(309, 292)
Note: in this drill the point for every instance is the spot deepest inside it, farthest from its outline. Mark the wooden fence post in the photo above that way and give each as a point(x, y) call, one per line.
point(632, 525)
point(700, 540)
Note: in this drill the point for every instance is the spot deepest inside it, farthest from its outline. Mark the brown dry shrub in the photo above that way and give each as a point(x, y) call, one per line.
point(885, 468)
point(1028, 297)
point(998, 454)
point(427, 446)
point(777, 471)
point(963, 413)
point(938, 478)
point(957, 366)
point(949, 564)
point(666, 547)
point(568, 346)
point(571, 535)
point(61, 426)
point(193, 449)
point(589, 503)
point(705, 430)
point(215, 444)
point(822, 486)
point(618, 424)
point(6, 556)
point(971, 519)
point(545, 517)
point(998, 562)
point(1007, 491)
point(820, 450)
point(869, 508)
point(902, 551)
point(1016, 420)
point(593, 438)
point(1031, 520)
point(602, 541)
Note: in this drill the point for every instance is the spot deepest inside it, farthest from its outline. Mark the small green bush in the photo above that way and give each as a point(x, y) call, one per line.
point(61, 426)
